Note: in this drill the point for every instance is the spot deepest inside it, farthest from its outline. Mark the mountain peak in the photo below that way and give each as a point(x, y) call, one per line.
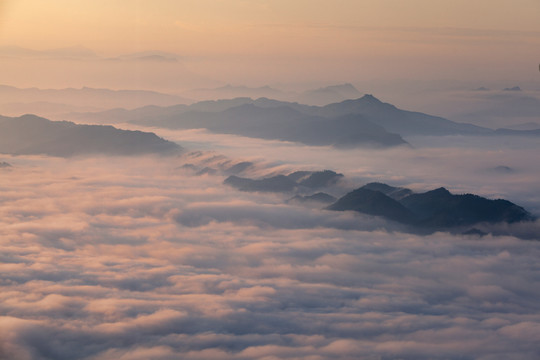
point(370, 97)
point(440, 191)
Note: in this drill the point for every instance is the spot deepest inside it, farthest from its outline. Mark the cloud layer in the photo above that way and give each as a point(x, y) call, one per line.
point(115, 258)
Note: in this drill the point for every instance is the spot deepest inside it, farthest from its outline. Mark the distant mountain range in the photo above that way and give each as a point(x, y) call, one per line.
point(365, 121)
point(30, 134)
point(286, 183)
point(436, 209)
point(320, 96)
point(86, 96)
point(83, 53)
point(316, 199)
point(329, 94)
point(360, 122)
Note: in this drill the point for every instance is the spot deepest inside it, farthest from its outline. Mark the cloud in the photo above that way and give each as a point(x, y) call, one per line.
point(115, 258)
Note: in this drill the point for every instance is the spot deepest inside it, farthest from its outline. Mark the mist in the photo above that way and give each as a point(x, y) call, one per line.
point(137, 257)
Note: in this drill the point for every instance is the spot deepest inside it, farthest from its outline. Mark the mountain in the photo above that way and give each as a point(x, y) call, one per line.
point(278, 183)
point(30, 134)
point(440, 208)
point(373, 202)
point(319, 179)
point(57, 101)
point(396, 193)
point(437, 209)
point(230, 91)
point(286, 183)
point(399, 121)
point(283, 123)
point(315, 199)
point(365, 121)
point(329, 94)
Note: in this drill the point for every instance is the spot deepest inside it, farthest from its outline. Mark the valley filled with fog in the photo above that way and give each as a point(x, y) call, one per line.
point(153, 256)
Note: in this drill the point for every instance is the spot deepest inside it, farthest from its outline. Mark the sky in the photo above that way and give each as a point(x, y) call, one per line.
point(274, 41)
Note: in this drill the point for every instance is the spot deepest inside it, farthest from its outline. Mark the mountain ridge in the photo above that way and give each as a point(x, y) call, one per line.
point(437, 209)
point(31, 134)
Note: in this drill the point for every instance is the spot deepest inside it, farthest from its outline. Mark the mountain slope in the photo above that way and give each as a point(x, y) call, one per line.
point(399, 121)
point(30, 134)
point(282, 123)
point(373, 202)
point(436, 209)
point(286, 183)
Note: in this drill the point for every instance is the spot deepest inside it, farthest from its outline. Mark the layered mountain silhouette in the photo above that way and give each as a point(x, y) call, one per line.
point(286, 183)
point(329, 94)
point(30, 134)
point(314, 199)
point(365, 121)
point(17, 101)
point(282, 123)
point(436, 209)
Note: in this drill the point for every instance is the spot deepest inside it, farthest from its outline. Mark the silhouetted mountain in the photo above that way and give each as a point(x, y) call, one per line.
point(56, 101)
point(501, 169)
point(329, 94)
point(515, 88)
point(321, 179)
point(399, 121)
point(229, 91)
point(373, 202)
point(283, 123)
point(396, 193)
point(30, 134)
point(315, 199)
point(286, 183)
point(278, 183)
point(437, 209)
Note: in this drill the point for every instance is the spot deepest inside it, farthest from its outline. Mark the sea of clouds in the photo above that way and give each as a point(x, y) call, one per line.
point(138, 258)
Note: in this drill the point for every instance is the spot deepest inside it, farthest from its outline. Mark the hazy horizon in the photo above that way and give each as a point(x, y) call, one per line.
point(256, 43)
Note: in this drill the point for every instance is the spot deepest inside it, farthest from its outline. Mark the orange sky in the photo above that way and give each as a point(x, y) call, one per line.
point(411, 36)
